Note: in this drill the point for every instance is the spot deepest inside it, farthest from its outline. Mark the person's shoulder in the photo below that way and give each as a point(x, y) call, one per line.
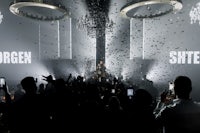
point(196, 103)
point(183, 106)
point(171, 107)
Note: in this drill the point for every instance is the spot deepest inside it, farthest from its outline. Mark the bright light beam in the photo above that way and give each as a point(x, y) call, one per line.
point(58, 24)
point(39, 43)
point(70, 43)
point(131, 35)
point(143, 43)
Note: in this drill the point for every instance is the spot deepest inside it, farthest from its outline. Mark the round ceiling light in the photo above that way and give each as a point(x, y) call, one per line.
point(39, 10)
point(150, 8)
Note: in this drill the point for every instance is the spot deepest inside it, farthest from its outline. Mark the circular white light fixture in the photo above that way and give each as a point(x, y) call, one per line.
point(150, 8)
point(39, 10)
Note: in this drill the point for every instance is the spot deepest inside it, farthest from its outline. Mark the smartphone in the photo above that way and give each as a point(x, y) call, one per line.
point(130, 92)
point(113, 91)
point(171, 87)
point(2, 81)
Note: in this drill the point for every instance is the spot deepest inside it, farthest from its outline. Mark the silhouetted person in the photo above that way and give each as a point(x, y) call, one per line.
point(114, 115)
point(140, 116)
point(27, 113)
point(50, 87)
point(61, 109)
point(5, 109)
point(41, 90)
point(183, 115)
point(114, 105)
point(148, 85)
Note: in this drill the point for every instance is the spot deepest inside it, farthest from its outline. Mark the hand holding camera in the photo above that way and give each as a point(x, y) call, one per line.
point(168, 95)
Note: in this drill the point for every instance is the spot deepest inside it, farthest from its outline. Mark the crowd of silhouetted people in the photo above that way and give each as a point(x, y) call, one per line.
point(75, 105)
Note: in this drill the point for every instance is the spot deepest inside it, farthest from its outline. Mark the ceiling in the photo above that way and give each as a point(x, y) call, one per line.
point(123, 52)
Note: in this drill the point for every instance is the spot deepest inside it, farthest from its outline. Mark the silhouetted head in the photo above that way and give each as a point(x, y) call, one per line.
point(41, 88)
point(142, 97)
point(29, 85)
point(183, 87)
point(144, 77)
point(114, 103)
point(60, 84)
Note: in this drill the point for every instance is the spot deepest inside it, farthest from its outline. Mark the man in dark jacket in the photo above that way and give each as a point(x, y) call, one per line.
point(183, 115)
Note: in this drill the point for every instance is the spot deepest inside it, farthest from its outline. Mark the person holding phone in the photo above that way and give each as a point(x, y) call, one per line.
point(28, 113)
point(168, 95)
point(4, 87)
point(183, 114)
point(141, 112)
point(5, 106)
